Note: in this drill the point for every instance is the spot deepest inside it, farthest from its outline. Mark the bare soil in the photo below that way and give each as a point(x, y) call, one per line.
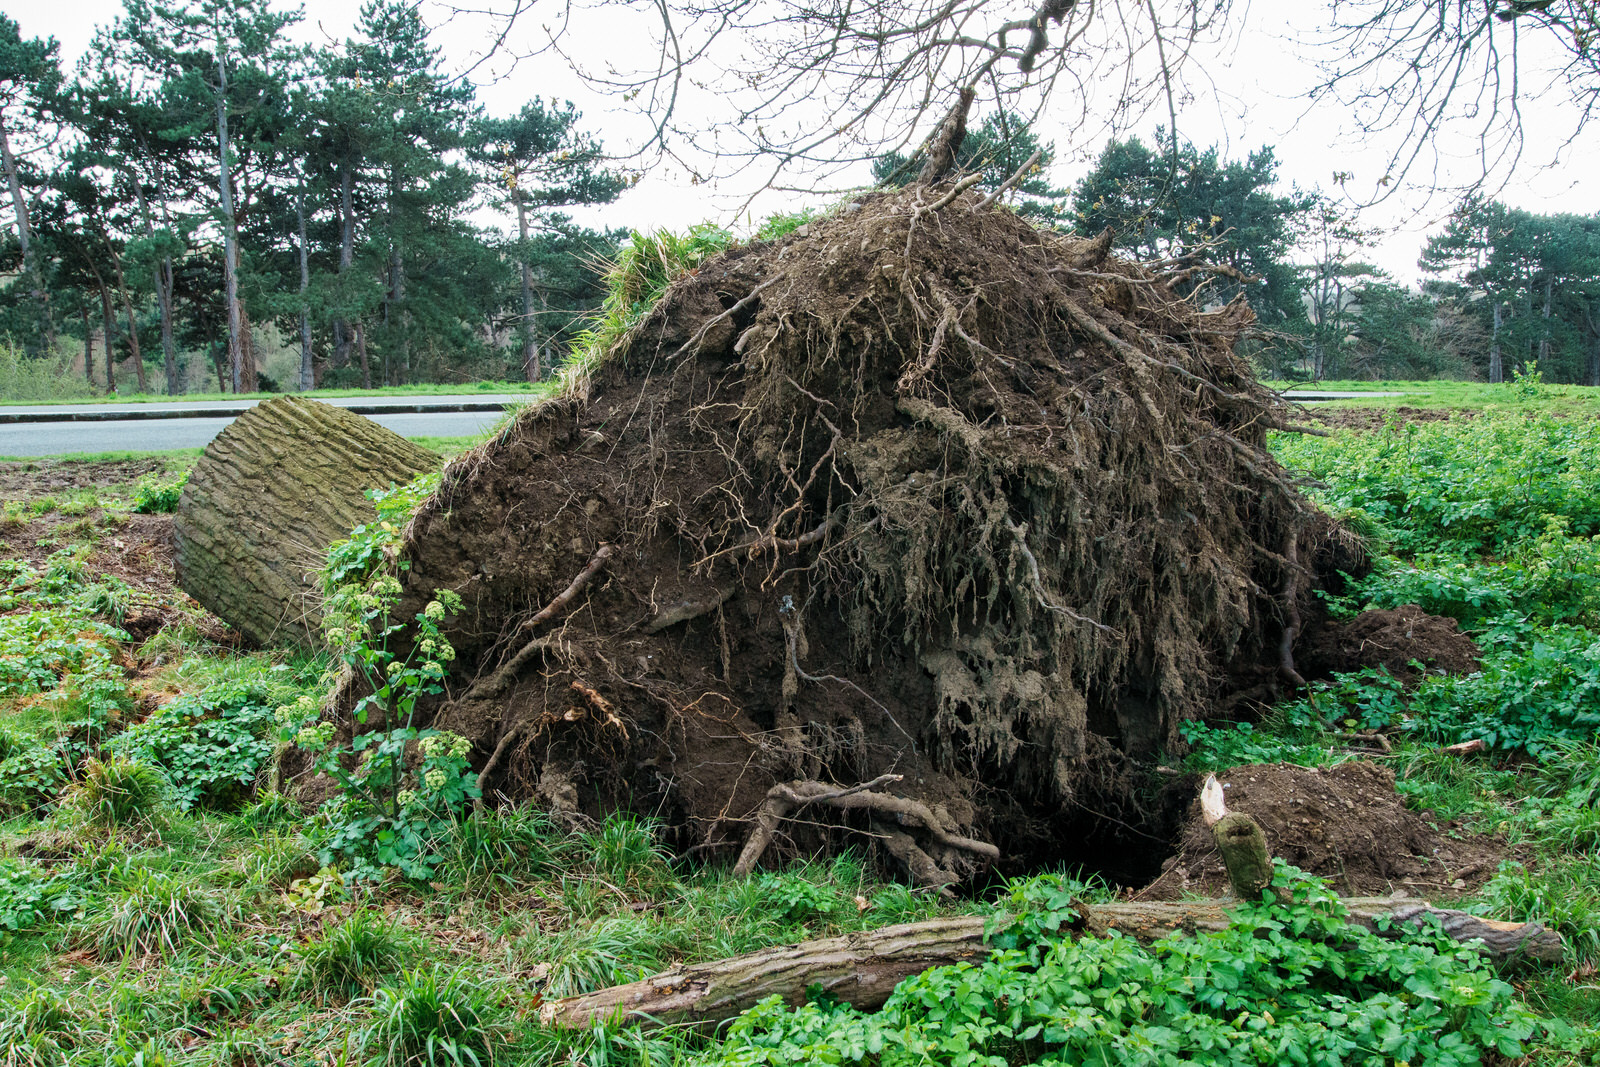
point(1394, 639)
point(1344, 823)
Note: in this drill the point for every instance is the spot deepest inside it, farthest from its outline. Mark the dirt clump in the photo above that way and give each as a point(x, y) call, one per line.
point(919, 491)
point(1393, 639)
point(1344, 823)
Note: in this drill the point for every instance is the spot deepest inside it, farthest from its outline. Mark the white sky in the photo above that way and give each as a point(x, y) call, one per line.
point(1251, 101)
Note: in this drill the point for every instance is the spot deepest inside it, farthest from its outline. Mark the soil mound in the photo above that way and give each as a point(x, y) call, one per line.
point(1344, 823)
point(1391, 638)
point(917, 491)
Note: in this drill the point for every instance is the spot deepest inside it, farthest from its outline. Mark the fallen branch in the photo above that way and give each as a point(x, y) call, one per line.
point(786, 798)
point(863, 968)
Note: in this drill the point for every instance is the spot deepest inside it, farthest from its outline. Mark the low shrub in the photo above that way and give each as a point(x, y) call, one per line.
point(155, 495)
point(211, 746)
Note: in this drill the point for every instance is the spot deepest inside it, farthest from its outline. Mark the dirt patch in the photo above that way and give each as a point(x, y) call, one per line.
point(1371, 420)
point(917, 491)
point(1344, 823)
point(1391, 638)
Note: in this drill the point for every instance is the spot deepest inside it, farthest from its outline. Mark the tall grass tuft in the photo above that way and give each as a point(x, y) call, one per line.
point(120, 792)
point(350, 959)
point(434, 1019)
point(157, 913)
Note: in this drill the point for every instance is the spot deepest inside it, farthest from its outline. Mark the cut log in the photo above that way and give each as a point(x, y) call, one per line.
point(862, 969)
point(275, 488)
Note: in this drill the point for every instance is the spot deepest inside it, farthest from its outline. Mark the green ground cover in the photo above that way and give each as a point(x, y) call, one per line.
point(161, 903)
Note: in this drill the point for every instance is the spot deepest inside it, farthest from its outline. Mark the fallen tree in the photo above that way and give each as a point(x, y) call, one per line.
point(917, 490)
point(863, 969)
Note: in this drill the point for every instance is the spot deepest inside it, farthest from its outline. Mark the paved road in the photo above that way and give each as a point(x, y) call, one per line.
point(155, 435)
point(1314, 395)
point(192, 409)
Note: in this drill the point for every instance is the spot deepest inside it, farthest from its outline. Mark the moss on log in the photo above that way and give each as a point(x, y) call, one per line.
point(274, 489)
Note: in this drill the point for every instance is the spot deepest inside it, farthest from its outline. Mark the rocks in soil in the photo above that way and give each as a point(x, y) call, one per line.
point(1391, 638)
point(923, 492)
point(272, 491)
point(1344, 823)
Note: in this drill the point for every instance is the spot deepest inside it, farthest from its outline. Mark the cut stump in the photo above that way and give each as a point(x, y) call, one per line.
point(275, 488)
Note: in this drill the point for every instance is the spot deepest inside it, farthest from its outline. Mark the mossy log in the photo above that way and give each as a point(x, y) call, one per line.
point(862, 969)
point(275, 488)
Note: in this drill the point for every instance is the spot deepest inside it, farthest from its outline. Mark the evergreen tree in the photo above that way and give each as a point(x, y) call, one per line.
point(1191, 207)
point(30, 78)
point(536, 161)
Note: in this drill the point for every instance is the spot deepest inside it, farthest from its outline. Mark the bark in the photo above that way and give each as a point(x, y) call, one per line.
point(1244, 853)
point(230, 235)
point(307, 370)
point(271, 492)
point(863, 969)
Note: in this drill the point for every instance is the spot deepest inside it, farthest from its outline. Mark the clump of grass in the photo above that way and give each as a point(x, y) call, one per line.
point(625, 851)
point(116, 792)
point(156, 913)
point(432, 1019)
point(37, 1028)
point(501, 848)
point(351, 958)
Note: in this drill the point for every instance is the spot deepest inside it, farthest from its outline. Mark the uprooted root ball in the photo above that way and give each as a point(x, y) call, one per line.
point(918, 493)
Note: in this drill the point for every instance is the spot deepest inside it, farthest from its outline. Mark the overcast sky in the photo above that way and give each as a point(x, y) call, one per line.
point(1250, 97)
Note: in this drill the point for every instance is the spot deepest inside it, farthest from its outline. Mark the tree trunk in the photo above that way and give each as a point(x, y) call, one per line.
point(361, 352)
point(133, 323)
point(307, 371)
point(230, 235)
point(163, 280)
point(1544, 335)
point(530, 351)
point(108, 322)
point(1497, 367)
point(277, 486)
point(30, 259)
point(347, 251)
point(863, 969)
point(88, 345)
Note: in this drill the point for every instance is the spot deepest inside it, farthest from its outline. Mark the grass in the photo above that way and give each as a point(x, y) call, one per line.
point(1466, 396)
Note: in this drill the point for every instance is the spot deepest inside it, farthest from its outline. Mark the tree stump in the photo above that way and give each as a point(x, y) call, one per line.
point(274, 489)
